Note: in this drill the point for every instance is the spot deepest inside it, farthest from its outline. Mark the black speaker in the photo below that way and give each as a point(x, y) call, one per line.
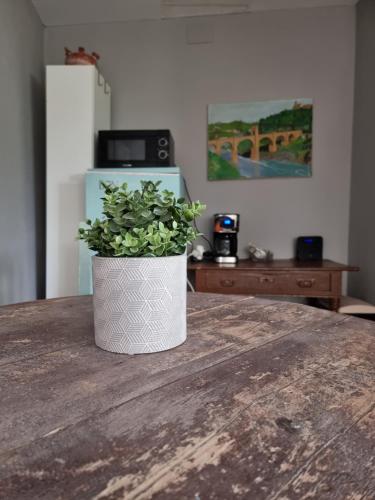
point(309, 248)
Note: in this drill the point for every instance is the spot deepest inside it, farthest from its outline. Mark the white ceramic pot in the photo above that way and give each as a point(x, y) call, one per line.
point(139, 303)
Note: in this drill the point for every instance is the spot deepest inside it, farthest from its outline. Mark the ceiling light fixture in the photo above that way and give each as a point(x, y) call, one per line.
point(192, 8)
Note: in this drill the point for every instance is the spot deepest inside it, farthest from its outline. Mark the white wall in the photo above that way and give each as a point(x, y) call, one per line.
point(21, 152)
point(159, 81)
point(362, 235)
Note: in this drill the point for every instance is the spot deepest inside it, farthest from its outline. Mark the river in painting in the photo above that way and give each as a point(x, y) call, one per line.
point(268, 168)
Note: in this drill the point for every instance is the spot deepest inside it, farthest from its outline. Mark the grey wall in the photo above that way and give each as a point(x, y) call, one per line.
point(362, 234)
point(158, 80)
point(21, 152)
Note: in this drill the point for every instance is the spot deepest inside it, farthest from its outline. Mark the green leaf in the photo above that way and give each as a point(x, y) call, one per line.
point(146, 213)
point(160, 211)
point(114, 228)
point(129, 216)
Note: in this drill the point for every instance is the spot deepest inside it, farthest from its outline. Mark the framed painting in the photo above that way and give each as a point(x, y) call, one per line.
point(260, 139)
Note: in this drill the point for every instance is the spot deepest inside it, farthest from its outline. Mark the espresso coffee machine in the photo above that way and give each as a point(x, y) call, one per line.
point(226, 227)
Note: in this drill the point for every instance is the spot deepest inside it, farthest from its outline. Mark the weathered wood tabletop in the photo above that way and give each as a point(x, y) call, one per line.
point(265, 400)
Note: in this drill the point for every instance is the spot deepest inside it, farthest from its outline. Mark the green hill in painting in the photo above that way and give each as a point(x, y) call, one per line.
point(219, 129)
point(298, 118)
point(220, 169)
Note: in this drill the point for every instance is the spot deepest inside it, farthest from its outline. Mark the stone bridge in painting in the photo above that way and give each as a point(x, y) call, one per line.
point(273, 140)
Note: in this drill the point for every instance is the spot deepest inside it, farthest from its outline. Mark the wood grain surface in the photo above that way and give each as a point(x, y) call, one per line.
point(265, 400)
point(286, 277)
point(279, 264)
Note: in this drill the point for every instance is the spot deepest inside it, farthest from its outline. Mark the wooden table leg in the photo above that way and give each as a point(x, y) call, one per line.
point(199, 281)
point(335, 304)
point(336, 291)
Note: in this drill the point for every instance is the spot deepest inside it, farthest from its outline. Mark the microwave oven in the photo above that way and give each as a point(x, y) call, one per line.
point(135, 148)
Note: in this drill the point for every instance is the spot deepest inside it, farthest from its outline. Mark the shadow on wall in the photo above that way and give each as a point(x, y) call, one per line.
point(71, 213)
point(25, 279)
point(10, 279)
point(39, 175)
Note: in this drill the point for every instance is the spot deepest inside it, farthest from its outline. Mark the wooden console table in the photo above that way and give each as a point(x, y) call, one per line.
point(279, 277)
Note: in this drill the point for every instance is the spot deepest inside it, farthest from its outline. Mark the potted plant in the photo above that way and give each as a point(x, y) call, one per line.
point(139, 270)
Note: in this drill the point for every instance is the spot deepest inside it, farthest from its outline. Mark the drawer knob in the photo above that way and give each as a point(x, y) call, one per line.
point(305, 283)
point(266, 279)
point(227, 282)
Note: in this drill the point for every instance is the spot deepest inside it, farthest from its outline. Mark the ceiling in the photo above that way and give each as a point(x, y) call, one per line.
point(70, 12)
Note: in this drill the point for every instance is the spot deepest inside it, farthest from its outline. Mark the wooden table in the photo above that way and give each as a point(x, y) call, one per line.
point(279, 277)
point(265, 400)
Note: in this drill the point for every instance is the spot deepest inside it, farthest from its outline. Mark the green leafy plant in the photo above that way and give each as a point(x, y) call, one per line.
point(141, 223)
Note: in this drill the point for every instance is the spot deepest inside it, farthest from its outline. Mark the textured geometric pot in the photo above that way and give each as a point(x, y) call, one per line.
point(139, 303)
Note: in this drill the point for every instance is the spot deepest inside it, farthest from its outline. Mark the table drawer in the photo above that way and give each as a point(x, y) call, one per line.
point(292, 283)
